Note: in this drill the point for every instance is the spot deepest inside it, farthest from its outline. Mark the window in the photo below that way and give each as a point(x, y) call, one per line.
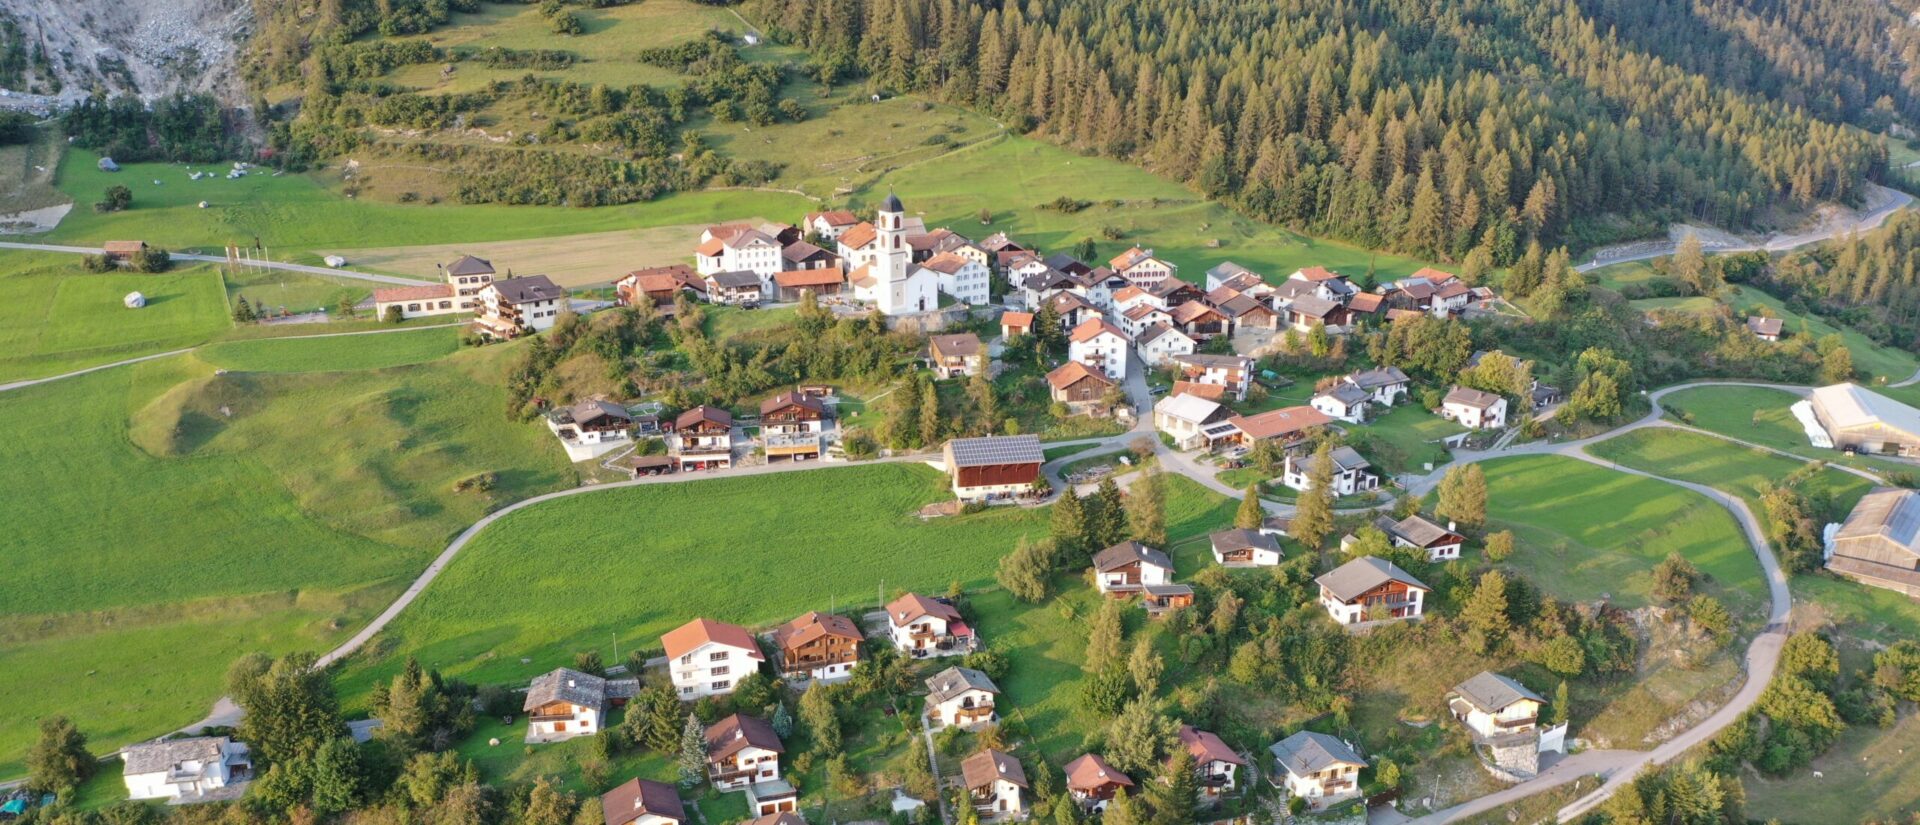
point(721, 685)
point(413, 307)
point(719, 671)
point(687, 689)
point(687, 659)
point(718, 656)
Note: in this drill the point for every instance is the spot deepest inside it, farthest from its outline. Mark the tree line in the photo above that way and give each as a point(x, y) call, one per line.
point(1431, 129)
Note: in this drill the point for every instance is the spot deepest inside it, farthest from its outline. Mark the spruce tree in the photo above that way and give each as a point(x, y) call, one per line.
point(1250, 515)
point(1147, 508)
point(693, 752)
point(1070, 530)
point(1313, 513)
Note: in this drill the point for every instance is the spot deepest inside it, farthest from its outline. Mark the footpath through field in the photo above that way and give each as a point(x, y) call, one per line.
point(218, 259)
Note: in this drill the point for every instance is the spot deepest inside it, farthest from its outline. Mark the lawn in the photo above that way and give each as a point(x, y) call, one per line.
point(1761, 416)
point(1417, 432)
point(632, 563)
point(1585, 532)
point(1876, 363)
point(251, 511)
point(329, 353)
point(59, 317)
point(1704, 459)
point(1615, 276)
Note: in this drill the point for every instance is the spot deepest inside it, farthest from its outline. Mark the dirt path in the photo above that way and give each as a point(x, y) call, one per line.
point(1888, 202)
point(281, 265)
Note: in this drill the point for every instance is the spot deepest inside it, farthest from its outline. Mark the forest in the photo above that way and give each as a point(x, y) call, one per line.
point(1429, 129)
point(1870, 281)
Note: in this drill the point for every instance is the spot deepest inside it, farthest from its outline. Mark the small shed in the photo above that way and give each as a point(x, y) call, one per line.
point(134, 300)
point(107, 165)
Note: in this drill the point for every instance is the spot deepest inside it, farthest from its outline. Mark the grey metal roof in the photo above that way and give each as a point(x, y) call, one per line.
point(469, 265)
point(1307, 753)
point(1207, 361)
point(1492, 692)
point(528, 289)
point(892, 204)
point(1241, 539)
point(1378, 377)
point(153, 757)
point(1127, 552)
point(1885, 513)
point(1347, 394)
point(1312, 306)
point(1344, 459)
point(957, 680)
point(1349, 580)
point(1226, 270)
point(1004, 449)
point(739, 279)
point(1415, 529)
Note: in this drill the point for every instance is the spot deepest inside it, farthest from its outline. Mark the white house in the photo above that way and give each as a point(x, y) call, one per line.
point(1491, 705)
point(565, 703)
point(1318, 768)
point(643, 802)
point(1130, 567)
point(1235, 372)
point(1343, 401)
point(960, 697)
point(738, 248)
point(1244, 548)
point(1387, 385)
point(1216, 766)
point(742, 750)
point(515, 306)
point(1351, 472)
point(1439, 543)
point(1140, 267)
point(922, 627)
point(707, 658)
point(1192, 422)
point(1476, 409)
point(962, 277)
point(829, 224)
point(464, 278)
point(591, 428)
point(1097, 343)
point(186, 769)
point(1162, 342)
point(994, 781)
point(1370, 589)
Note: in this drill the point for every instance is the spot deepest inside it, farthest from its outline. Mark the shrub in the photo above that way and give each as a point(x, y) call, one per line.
point(152, 259)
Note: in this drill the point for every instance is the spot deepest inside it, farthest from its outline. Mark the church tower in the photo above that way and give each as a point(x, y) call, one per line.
point(893, 258)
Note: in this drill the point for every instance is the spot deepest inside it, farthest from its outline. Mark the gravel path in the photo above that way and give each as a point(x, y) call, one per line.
point(219, 259)
point(1890, 200)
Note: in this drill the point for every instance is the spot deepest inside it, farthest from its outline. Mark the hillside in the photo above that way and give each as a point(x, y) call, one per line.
point(150, 48)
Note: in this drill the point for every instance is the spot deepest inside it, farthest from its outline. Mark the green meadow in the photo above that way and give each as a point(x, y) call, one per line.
point(1585, 531)
point(1704, 459)
point(333, 353)
point(58, 317)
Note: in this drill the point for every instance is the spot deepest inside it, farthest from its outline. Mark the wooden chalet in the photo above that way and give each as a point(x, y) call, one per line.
point(791, 425)
point(822, 646)
point(1370, 589)
point(1092, 782)
point(704, 438)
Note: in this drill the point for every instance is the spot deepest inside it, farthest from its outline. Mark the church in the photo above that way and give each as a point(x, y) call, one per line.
point(883, 272)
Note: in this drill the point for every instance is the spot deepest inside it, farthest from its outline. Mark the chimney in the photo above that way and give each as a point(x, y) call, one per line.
point(572, 683)
point(1451, 527)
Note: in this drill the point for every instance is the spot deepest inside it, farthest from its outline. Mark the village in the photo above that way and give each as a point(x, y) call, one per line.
point(1158, 355)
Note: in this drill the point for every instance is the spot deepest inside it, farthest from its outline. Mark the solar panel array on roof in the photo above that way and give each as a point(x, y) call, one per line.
point(980, 452)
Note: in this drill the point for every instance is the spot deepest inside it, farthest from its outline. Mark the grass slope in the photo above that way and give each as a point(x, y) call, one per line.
point(1704, 459)
point(333, 353)
point(1760, 415)
point(59, 317)
point(1585, 531)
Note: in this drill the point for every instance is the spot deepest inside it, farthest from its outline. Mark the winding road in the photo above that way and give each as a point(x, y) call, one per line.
point(1893, 201)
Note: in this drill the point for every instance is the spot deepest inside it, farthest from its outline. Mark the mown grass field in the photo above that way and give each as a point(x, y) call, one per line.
point(1703, 459)
point(1417, 432)
point(200, 517)
point(333, 353)
point(1763, 416)
point(1585, 531)
point(57, 317)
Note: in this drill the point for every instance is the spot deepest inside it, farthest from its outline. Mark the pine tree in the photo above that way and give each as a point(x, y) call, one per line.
point(1069, 529)
point(1145, 666)
point(1463, 496)
point(1250, 515)
point(929, 415)
point(1689, 264)
point(1147, 508)
point(243, 310)
point(1485, 612)
point(693, 752)
point(1172, 798)
point(782, 721)
point(985, 401)
point(1561, 705)
point(1313, 514)
point(1104, 636)
point(1111, 524)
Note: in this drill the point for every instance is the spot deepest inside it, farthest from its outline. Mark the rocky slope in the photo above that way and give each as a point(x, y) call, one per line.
point(147, 47)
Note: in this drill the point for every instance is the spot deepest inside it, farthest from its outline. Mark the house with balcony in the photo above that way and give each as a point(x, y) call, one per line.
point(1092, 782)
point(924, 627)
point(643, 802)
point(703, 438)
point(1385, 386)
point(956, 356)
point(1215, 766)
point(1287, 426)
point(1141, 267)
point(658, 285)
point(464, 278)
point(1097, 343)
point(1474, 409)
point(1127, 568)
point(1494, 706)
point(738, 248)
point(818, 646)
point(564, 703)
point(1244, 548)
point(1234, 372)
point(1318, 768)
point(960, 697)
point(514, 307)
point(1193, 422)
point(1415, 531)
point(591, 428)
point(203, 768)
point(707, 658)
point(1343, 402)
point(1352, 474)
point(1370, 589)
point(994, 782)
point(792, 426)
point(742, 750)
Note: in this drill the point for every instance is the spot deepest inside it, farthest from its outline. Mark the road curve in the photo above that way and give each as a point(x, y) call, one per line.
point(1896, 200)
point(218, 259)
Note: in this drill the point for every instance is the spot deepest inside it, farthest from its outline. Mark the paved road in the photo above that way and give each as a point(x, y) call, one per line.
point(1896, 200)
point(220, 259)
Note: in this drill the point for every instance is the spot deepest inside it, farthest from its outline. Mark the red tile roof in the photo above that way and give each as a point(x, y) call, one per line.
point(1072, 372)
point(797, 278)
point(423, 292)
point(860, 235)
point(1092, 327)
point(907, 608)
point(690, 636)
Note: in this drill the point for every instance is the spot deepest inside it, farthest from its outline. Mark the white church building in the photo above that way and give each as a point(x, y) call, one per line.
point(883, 272)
